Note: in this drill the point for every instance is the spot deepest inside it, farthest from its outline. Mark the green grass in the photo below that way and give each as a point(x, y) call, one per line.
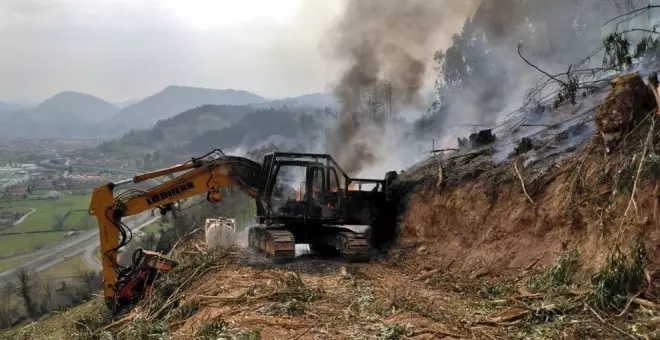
point(47, 211)
point(69, 267)
point(61, 325)
point(79, 220)
point(9, 264)
point(156, 227)
point(44, 218)
point(19, 244)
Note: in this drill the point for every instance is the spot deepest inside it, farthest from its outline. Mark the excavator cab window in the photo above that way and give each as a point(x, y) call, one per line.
point(324, 190)
point(287, 195)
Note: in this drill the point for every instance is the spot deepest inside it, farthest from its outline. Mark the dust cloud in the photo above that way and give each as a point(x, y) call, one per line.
point(385, 47)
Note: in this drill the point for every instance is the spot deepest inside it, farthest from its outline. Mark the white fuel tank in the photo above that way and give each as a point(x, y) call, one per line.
point(220, 232)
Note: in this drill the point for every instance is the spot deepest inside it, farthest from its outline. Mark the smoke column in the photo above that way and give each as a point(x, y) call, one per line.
point(385, 46)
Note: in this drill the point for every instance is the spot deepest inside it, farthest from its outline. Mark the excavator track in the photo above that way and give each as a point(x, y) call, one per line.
point(353, 247)
point(277, 243)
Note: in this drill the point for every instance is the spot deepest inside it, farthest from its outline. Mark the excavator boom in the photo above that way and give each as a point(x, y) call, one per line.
point(204, 175)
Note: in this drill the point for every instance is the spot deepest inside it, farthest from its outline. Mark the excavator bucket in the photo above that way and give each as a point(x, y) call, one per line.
point(137, 283)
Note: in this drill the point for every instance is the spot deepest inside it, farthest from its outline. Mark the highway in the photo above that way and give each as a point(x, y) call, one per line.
point(85, 243)
point(89, 252)
point(73, 247)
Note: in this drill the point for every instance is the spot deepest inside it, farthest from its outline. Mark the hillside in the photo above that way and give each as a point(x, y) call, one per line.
point(313, 100)
point(258, 127)
point(173, 100)
point(66, 114)
point(552, 241)
point(208, 127)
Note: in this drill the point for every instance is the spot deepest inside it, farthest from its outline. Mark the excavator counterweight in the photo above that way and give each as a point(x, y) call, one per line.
point(300, 198)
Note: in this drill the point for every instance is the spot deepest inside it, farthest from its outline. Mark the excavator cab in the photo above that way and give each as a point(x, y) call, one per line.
point(308, 199)
point(299, 189)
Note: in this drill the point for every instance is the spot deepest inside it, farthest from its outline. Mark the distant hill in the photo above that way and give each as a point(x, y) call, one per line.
point(254, 128)
point(6, 106)
point(227, 127)
point(76, 105)
point(66, 114)
point(173, 100)
point(126, 103)
point(180, 129)
point(313, 100)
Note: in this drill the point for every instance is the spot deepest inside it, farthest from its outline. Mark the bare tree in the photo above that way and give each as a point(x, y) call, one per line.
point(7, 309)
point(46, 292)
point(24, 289)
point(388, 94)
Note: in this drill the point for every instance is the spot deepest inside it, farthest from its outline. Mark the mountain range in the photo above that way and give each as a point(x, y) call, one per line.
point(78, 115)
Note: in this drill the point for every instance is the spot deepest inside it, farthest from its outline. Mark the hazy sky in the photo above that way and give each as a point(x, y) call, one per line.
point(123, 49)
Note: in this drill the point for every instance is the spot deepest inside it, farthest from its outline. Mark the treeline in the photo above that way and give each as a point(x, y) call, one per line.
point(29, 296)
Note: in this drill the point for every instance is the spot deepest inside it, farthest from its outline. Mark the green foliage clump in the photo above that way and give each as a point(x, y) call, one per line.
point(619, 53)
point(489, 290)
point(292, 287)
point(291, 307)
point(221, 330)
point(560, 275)
point(619, 278)
point(569, 89)
point(624, 179)
point(292, 297)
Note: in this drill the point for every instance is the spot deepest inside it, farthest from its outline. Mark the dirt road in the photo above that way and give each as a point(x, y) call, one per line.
point(20, 220)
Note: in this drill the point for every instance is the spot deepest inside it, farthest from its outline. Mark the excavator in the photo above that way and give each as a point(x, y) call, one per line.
point(300, 198)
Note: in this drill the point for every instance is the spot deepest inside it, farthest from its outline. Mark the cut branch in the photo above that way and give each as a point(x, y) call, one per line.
point(538, 68)
point(515, 167)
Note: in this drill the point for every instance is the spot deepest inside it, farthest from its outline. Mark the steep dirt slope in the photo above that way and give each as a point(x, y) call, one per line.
point(480, 218)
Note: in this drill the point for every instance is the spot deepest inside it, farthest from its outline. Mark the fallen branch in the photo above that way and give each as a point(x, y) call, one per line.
point(427, 274)
point(647, 143)
point(119, 322)
point(538, 68)
point(435, 333)
point(515, 167)
point(625, 309)
point(656, 203)
point(306, 331)
point(506, 317)
point(645, 303)
point(182, 238)
point(645, 8)
point(600, 318)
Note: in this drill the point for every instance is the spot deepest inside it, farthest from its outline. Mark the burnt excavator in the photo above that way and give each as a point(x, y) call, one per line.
point(300, 198)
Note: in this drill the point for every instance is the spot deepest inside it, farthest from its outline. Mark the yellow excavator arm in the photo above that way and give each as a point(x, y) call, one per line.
point(208, 174)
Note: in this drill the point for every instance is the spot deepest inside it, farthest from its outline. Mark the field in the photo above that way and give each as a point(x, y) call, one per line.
point(156, 227)
point(66, 268)
point(66, 213)
point(5, 265)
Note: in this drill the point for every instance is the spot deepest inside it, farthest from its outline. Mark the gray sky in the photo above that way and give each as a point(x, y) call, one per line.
point(123, 49)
